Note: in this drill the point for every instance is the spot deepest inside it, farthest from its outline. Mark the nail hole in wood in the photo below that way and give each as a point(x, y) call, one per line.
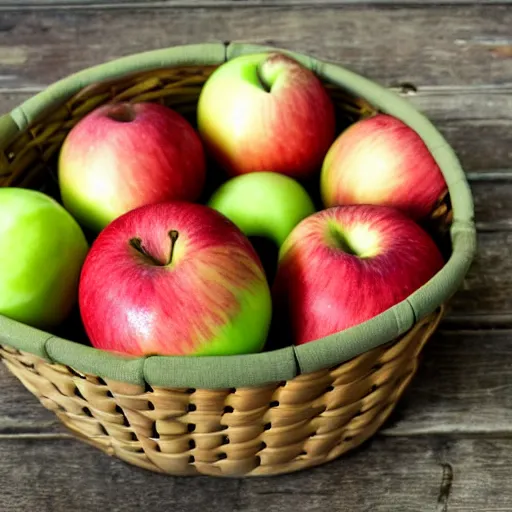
point(267, 426)
point(274, 403)
point(191, 444)
point(191, 427)
point(191, 407)
point(228, 409)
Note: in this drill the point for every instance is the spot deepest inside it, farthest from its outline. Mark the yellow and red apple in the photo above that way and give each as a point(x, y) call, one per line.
point(381, 160)
point(344, 265)
point(174, 278)
point(266, 112)
point(122, 156)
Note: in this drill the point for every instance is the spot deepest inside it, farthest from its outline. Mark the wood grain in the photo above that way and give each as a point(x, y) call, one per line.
point(476, 121)
point(442, 45)
point(157, 4)
point(463, 386)
point(387, 475)
point(354, 483)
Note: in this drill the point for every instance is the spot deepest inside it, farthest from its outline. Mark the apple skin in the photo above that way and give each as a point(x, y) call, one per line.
point(43, 249)
point(263, 204)
point(346, 264)
point(211, 299)
point(266, 112)
point(382, 161)
point(122, 156)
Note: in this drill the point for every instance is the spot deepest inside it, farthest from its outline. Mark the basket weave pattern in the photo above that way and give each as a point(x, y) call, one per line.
point(278, 428)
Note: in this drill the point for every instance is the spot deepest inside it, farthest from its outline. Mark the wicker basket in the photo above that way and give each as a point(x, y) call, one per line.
point(278, 411)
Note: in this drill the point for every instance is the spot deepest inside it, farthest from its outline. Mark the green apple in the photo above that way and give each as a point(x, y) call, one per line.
point(43, 249)
point(263, 204)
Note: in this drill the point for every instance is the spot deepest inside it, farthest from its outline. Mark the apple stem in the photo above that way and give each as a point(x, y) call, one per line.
point(173, 235)
point(136, 243)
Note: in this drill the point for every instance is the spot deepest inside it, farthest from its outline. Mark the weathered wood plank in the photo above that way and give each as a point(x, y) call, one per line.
point(487, 289)
point(477, 122)
point(355, 483)
point(442, 45)
point(463, 386)
point(156, 4)
point(388, 475)
point(20, 411)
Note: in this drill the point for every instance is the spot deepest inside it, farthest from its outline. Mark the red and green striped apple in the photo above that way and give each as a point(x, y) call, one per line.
point(346, 264)
point(174, 278)
point(266, 112)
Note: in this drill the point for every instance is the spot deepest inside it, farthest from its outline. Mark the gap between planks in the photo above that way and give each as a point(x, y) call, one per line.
point(445, 432)
point(199, 4)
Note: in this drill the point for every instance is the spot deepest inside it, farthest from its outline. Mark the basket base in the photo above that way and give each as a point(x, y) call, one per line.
point(270, 430)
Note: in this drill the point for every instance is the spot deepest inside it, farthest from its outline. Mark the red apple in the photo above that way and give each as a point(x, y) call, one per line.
point(346, 264)
point(380, 160)
point(266, 112)
point(122, 156)
point(174, 278)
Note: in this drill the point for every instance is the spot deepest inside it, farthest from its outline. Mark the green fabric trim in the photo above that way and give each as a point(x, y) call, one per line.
point(23, 337)
point(9, 129)
point(96, 362)
point(257, 369)
point(222, 371)
point(345, 345)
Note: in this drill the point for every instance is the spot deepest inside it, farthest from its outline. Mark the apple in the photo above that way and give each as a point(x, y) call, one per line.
point(266, 112)
point(382, 161)
point(174, 278)
point(263, 204)
point(346, 264)
point(43, 249)
point(121, 156)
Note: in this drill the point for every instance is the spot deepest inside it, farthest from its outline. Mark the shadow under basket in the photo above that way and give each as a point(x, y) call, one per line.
point(274, 412)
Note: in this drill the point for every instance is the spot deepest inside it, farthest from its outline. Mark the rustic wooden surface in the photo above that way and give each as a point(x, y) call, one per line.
point(448, 445)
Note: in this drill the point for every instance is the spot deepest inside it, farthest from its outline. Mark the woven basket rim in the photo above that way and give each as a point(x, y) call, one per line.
point(249, 370)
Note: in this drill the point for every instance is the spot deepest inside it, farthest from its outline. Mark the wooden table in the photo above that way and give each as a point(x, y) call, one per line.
point(448, 446)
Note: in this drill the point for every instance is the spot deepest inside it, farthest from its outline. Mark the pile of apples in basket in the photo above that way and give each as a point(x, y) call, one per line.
point(153, 234)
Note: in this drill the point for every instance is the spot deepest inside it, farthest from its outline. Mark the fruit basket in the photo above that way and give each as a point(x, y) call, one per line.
point(267, 413)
